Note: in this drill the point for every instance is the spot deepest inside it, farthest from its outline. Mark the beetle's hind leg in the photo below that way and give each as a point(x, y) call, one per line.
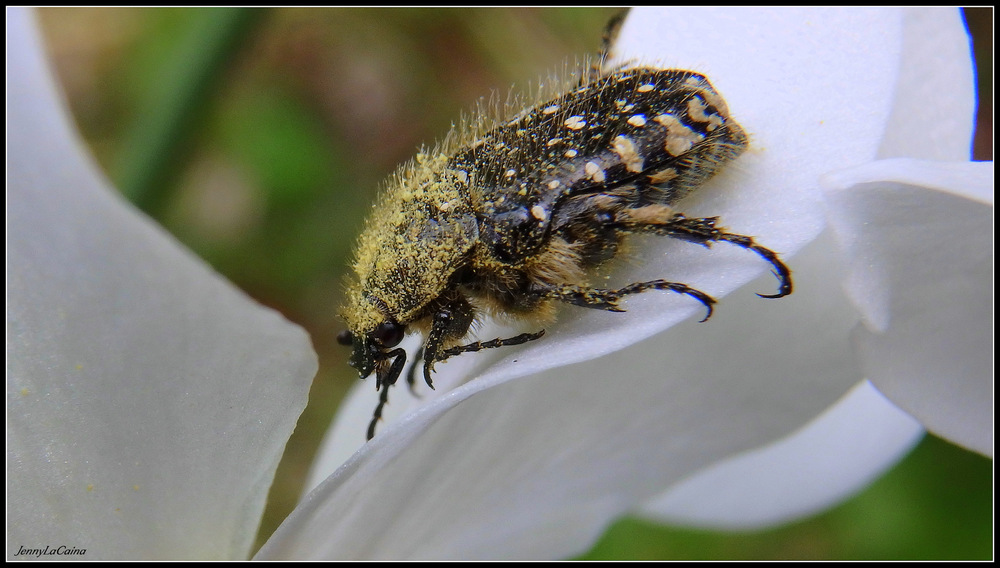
point(596, 69)
point(604, 299)
point(662, 220)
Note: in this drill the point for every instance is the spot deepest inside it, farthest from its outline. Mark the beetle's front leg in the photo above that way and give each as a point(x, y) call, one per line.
point(450, 321)
point(385, 379)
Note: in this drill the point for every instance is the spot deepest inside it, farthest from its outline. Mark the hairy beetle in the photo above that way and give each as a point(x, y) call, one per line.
point(507, 217)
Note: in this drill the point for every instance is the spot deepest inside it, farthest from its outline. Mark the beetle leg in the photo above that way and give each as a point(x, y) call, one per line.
point(662, 220)
point(604, 299)
point(611, 28)
point(411, 374)
point(491, 344)
point(450, 321)
point(385, 381)
point(445, 323)
point(439, 326)
point(382, 399)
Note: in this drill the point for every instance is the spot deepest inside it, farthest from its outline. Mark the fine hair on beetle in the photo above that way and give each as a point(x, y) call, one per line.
point(511, 213)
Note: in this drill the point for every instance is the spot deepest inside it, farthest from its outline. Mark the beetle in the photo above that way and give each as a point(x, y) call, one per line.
point(508, 218)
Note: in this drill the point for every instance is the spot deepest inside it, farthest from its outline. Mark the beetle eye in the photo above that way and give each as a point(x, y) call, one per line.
point(345, 337)
point(388, 334)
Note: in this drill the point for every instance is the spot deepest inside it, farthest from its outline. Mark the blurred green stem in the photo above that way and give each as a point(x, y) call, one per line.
point(163, 133)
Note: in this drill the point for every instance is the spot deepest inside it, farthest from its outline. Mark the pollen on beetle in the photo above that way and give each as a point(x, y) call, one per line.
point(575, 122)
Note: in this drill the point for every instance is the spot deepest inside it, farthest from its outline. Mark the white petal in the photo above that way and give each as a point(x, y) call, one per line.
point(920, 236)
point(535, 468)
point(148, 401)
point(935, 100)
point(839, 453)
point(742, 492)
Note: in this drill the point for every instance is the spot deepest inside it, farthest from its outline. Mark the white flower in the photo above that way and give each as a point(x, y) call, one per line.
point(717, 418)
point(148, 401)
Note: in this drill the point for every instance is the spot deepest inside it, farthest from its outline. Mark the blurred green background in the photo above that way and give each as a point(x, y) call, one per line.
point(259, 138)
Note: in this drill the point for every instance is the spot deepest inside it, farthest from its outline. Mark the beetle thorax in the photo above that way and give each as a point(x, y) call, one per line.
point(421, 232)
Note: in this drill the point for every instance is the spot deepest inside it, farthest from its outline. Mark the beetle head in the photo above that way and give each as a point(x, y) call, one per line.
point(374, 351)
